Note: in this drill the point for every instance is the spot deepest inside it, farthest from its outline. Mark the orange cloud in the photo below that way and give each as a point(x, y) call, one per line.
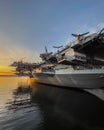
point(6, 70)
point(6, 74)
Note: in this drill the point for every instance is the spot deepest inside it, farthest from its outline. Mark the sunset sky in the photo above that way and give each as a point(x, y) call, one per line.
point(26, 26)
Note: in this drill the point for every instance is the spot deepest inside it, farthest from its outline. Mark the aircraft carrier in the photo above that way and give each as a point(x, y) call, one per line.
point(78, 65)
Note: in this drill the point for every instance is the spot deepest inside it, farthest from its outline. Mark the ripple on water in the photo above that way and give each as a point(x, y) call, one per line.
point(28, 106)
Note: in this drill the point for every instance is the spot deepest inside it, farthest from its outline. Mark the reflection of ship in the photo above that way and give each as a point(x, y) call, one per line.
point(79, 65)
point(67, 109)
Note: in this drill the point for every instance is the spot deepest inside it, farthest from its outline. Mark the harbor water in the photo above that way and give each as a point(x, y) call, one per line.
point(25, 105)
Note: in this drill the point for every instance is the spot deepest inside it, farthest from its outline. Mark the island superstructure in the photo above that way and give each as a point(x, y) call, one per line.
point(80, 64)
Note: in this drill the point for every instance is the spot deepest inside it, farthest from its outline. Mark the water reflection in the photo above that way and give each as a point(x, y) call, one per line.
point(34, 106)
point(18, 111)
point(68, 108)
point(21, 99)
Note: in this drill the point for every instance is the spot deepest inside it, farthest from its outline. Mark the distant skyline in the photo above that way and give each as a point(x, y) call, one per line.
point(27, 26)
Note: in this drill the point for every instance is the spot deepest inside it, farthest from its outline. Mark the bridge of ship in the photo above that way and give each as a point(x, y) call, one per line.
point(91, 46)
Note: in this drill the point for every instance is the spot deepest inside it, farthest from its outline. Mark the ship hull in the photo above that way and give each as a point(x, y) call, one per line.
point(92, 80)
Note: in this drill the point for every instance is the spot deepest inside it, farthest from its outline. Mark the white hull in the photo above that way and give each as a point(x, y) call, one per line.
point(78, 79)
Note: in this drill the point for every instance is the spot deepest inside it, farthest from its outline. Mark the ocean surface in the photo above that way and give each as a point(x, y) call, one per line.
point(25, 105)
